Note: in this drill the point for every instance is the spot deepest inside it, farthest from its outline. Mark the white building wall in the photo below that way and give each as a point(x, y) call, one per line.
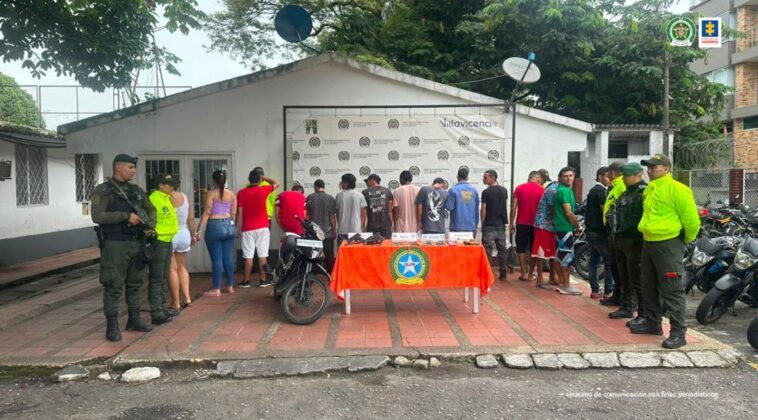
point(62, 212)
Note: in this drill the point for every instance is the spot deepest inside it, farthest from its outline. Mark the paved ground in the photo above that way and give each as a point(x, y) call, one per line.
point(453, 391)
point(13, 274)
point(515, 317)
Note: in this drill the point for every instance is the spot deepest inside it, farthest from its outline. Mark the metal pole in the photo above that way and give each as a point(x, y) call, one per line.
point(76, 89)
point(39, 107)
point(666, 66)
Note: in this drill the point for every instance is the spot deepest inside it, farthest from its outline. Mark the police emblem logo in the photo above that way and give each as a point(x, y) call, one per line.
point(295, 156)
point(364, 171)
point(394, 184)
point(343, 124)
point(315, 171)
point(343, 155)
point(414, 170)
point(314, 142)
point(393, 123)
point(443, 155)
point(493, 155)
point(414, 141)
point(364, 141)
point(463, 141)
point(409, 266)
point(393, 155)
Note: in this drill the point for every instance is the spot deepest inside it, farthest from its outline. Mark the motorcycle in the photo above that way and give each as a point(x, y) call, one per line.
point(708, 261)
point(299, 279)
point(739, 282)
point(752, 333)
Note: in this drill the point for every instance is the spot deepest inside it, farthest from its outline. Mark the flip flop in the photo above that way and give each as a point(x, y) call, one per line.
point(186, 305)
point(522, 278)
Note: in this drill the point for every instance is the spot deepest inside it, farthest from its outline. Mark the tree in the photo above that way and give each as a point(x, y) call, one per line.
point(17, 106)
point(99, 42)
point(601, 60)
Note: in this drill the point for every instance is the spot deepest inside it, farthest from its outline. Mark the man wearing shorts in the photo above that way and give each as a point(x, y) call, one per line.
point(252, 220)
point(565, 224)
point(526, 198)
point(544, 244)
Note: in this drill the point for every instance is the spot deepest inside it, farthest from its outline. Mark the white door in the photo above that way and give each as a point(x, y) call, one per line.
point(199, 169)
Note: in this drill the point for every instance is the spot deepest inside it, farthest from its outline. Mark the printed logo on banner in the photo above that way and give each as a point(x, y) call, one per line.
point(364, 141)
point(393, 155)
point(393, 184)
point(314, 142)
point(393, 123)
point(409, 267)
point(463, 141)
point(343, 124)
point(414, 141)
point(364, 171)
point(414, 170)
point(295, 156)
point(315, 171)
point(343, 155)
point(493, 155)
point(443, 155)
point(311, 126)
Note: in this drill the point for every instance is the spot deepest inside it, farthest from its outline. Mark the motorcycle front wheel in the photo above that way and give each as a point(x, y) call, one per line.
point(713, 306)
point(305, 300)
point(582, 263)
point(752, 333)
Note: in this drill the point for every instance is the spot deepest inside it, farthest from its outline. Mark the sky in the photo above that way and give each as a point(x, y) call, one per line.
point(199, 67)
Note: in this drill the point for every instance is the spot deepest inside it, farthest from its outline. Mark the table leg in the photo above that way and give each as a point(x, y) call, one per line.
point(476, 300)
point(347, 301)
point(465, 295)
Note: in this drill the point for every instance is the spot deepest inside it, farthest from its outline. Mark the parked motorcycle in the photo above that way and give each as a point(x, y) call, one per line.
point(709, 259)
point(739, 283)
point(300, 280)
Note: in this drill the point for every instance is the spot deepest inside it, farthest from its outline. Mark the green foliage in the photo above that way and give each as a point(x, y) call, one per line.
point(99, 42)
point(601, 60)
point(17, 106)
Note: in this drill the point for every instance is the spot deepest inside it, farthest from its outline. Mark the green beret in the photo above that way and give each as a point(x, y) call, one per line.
point(631, 168)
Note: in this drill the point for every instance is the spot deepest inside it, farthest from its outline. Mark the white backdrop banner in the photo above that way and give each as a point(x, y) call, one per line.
point(430, 146)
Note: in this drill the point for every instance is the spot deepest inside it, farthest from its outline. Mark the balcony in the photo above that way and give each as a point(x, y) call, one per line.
point(750, 54)
point(743, 3)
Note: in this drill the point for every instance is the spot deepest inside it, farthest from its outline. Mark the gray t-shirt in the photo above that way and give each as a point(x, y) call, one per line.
point(349, 205)
point(321, 206)
point(433, 211)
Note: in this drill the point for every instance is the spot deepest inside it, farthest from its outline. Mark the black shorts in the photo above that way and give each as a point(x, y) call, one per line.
point(524, 238)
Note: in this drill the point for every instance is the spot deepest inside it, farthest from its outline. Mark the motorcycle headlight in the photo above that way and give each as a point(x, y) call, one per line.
point(699, 258)
point(319, 233)
point(743, 261)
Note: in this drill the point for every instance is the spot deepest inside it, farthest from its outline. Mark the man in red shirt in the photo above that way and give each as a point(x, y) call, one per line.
point(252, 221)
point(526, 198)
point(288, 205)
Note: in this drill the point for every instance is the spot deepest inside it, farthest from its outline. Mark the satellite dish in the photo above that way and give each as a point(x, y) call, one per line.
point(293, 23)
point(520, 70)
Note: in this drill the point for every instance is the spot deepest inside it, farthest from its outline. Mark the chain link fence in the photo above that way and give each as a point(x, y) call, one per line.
point(726, 185)
point(750, 187)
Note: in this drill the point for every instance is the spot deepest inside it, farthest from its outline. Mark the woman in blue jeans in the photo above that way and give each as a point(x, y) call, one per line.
point(217, 222)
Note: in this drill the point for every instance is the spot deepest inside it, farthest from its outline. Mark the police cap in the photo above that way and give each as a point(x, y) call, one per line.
point(123, 157)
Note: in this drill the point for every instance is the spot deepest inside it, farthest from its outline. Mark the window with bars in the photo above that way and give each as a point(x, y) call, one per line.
point(87, 167)
point(31, 176)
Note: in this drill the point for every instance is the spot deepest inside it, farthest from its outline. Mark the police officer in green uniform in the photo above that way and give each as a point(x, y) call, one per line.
point(125, 216)
point(669, 220)
point(622, 220)
point(166, 226)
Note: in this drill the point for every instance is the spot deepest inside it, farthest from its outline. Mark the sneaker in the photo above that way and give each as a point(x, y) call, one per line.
point(264, 283)
point(244, 284)
point(545, 286)
point(571, 290)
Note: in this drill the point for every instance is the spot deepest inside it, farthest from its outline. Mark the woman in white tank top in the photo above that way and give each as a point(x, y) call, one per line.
point(179, 279)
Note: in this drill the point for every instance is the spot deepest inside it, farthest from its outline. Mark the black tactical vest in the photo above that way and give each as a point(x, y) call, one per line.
point(625, 214)
point(116, 203)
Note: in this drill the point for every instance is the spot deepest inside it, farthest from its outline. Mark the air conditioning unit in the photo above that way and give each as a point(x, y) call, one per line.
point(5, 170)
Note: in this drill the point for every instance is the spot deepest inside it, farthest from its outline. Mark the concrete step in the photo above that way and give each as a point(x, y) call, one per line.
point(22, 273)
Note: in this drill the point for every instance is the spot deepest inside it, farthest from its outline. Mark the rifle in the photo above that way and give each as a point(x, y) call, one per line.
point(146, 251)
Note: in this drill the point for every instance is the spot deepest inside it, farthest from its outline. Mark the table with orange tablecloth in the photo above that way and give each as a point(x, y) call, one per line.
point(410, 266)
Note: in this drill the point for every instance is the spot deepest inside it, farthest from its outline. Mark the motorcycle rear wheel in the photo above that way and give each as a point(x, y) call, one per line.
point(713, 306)
point(305, 300)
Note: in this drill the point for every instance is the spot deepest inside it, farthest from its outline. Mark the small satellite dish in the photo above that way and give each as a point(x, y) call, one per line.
point(515, 67)
point(293, 23)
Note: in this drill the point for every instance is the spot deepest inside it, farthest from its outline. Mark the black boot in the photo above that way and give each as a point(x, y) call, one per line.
point(112, 332)
point(646, 327)
point(674, 341)
point(614, 300)
point(636, 321)
point(135, 323)
point(162, 319)
point(621, 313)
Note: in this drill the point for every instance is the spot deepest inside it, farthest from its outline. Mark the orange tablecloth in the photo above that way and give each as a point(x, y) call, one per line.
point(389, 266)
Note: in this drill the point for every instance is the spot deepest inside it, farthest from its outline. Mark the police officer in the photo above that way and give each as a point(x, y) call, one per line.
point(166, 226)
point(115, 207)
point(617, 188)
point(622, 220)
point(669, 220)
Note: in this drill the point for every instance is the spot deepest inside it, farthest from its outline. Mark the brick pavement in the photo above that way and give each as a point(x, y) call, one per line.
point(514, 317)
point(16, 273)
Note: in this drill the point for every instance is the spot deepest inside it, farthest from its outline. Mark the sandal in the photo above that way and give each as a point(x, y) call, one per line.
point(522, 278)
point(186, 305)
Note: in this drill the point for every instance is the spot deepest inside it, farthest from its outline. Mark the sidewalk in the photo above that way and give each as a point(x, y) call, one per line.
point(11, 275)
point(515, 317)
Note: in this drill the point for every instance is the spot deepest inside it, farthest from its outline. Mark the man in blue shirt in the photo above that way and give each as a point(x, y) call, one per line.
point(463, 204)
